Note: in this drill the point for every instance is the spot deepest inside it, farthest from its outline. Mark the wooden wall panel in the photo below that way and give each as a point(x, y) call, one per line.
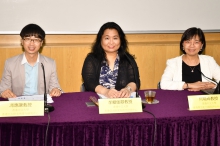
point(69, 52)
point(151, 60)
point(69, 62)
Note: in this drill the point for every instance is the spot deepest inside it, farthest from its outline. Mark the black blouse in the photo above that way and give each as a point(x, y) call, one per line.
point(191, 74)
point(126, 73)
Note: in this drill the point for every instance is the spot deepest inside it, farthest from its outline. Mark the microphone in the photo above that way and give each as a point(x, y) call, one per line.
point(217, 89)
point(135, 74)
point(47, 107)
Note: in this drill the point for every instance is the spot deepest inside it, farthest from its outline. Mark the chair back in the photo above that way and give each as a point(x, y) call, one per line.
point(158, 85)
point(82, 88)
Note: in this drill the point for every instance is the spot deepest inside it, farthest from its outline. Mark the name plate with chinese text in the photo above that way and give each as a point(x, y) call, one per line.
point(204, 102)
point(21, 108)
point(120, 105)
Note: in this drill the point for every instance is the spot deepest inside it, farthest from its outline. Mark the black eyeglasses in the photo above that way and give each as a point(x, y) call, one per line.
point(29, 40)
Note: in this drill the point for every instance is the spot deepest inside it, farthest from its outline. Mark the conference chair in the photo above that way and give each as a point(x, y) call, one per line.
point(158, 85)
point(82, 88)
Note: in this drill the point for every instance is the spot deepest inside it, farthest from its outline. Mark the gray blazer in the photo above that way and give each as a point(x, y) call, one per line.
point(13, 77)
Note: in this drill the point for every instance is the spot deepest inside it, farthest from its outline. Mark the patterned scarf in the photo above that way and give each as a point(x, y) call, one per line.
point(107, 76)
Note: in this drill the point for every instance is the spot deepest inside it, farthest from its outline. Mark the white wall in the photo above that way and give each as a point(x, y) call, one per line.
point(87, 16)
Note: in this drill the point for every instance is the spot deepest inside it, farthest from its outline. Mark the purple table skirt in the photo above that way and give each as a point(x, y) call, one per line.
point(74, 124)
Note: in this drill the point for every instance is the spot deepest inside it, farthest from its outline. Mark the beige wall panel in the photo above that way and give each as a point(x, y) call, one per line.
point(2, 59)
point(10, 52)
point(214, 51)
point(69, 62)
point(46, 51)
point(10, 40)
point(144, 55)
point(69, 52)
point(151, 60)
point(162, 54)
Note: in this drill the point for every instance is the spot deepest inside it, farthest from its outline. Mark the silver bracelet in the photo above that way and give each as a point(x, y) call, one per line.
point(60, 90)
point(129, 88)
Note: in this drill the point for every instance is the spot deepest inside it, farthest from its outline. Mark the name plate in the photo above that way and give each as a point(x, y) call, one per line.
point(21, 108)
point(120, 105)
point(204, 102)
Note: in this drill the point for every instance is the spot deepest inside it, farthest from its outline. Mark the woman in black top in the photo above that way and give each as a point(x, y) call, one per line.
point(109, 69)
point(192, 70)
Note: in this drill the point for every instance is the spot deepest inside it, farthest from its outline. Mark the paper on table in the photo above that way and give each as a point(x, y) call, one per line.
point(32, 98)
point(133, 95)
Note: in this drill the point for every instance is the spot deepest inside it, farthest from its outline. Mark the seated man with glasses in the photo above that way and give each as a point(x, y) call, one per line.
point(23, 74)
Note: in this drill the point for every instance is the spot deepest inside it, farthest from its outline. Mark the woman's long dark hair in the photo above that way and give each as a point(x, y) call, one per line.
point(97, 49)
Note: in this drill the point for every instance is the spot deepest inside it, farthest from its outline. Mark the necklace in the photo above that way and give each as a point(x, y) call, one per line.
point(192, 68)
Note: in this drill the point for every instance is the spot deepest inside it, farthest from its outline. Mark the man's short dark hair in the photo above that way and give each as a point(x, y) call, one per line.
point(32, 30)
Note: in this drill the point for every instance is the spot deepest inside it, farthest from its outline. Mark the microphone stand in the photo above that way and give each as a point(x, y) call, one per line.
point(47, 107)
point(143, 105)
